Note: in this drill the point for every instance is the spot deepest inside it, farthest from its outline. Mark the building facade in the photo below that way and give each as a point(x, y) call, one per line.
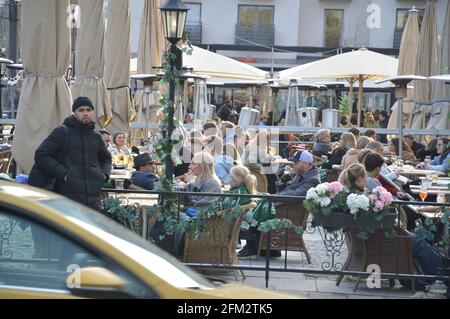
point(300, 30)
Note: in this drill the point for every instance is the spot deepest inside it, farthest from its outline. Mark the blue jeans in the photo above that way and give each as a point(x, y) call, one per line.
point(430, 260)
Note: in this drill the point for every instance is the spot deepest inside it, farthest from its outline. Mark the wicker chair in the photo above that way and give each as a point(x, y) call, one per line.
point(5, 162)
point(392, 255)
point(217, 245)
point(262, 184)
point(299, 216)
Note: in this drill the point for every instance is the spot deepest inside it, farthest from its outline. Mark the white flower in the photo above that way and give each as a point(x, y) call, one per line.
point(357, 202)
point(311, 194)
point(325, 201)
point(321, 189)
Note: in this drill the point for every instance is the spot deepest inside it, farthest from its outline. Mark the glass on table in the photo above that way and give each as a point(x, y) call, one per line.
point(441, 198)
point(120, 183)
point(423, 192)
point(400, 162)
point(427, 161)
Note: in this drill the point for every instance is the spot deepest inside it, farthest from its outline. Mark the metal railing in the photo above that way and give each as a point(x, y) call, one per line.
point(193, 30)
point(267, 268)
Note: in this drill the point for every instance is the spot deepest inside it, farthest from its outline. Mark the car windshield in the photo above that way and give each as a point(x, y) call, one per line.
point(156, 260)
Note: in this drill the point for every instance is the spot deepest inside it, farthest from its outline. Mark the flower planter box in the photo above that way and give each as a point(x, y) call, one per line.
point(341, 220)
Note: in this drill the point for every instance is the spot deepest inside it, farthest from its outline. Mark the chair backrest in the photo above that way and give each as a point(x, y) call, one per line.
point(262, 185)
point(5, 161)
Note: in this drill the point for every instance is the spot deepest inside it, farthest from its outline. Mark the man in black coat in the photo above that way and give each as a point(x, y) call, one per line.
point(76, 156)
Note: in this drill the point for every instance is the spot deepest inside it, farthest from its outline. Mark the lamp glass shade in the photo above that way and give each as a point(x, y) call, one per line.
point(173, 16)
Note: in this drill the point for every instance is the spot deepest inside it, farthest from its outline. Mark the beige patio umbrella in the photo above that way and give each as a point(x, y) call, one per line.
point(360, 65)
point(407, 66)
point(117, 66)
point(150, 50)
point(425, 65)
point(90, 60)
point(439, 119)
point(45, 98)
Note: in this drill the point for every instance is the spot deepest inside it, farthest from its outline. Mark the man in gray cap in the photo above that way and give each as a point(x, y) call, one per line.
point(306, 175)
point(75, 156)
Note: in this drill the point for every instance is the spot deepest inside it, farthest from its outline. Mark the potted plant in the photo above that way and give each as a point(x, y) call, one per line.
point(334, 206)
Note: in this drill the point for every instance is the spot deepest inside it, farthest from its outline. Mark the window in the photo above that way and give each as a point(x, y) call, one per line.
point(400, 23)
point(333, 27)
point(36, 258)
point(256, 16)
point(193, 27)
point(195, 12)
point(255, 24)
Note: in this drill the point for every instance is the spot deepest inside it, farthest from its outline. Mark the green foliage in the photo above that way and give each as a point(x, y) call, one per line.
point(428, 229)
point(344, 105)
point(118, 210)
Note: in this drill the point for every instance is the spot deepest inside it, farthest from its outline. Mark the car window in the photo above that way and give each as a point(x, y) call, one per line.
point(180, 275)
point(33, 256)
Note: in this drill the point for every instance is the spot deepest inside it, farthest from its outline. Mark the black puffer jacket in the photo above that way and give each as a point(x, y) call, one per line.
point(86, 161)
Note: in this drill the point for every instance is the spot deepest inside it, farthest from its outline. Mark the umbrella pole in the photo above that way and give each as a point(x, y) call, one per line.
point(360, 98)
point(400, 127)
point(350, 98)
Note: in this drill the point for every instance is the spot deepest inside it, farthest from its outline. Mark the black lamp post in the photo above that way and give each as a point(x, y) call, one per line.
point(174, 14)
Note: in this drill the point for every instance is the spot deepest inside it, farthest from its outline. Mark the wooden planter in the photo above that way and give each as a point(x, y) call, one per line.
point(346, 220)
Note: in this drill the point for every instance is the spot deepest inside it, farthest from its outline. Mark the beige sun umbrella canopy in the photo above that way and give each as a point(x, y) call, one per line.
point(117, 68)
point(217, 67)
point(439, 118)
point(90, 60)
point(352, 66)
point(150, 51)
point(407, 66)
point(426, 64)
point(45, 99)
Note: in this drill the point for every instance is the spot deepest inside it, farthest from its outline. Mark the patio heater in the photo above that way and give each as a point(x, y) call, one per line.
point(401, 86)
point(330, 116)
point(3, 63)
point(148, 80)
point(173, 14)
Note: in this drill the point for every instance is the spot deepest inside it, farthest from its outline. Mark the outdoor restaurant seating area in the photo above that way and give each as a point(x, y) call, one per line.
point(334, 173)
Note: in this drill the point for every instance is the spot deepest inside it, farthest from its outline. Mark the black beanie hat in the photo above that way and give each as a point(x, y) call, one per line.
point(82, 101)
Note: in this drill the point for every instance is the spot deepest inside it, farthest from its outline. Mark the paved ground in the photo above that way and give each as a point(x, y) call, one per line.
point(324, 286)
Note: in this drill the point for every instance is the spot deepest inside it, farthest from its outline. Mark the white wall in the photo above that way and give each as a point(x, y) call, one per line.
point(383, 37)
point(137, 6)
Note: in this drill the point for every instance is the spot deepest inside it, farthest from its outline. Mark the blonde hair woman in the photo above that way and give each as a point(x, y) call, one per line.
point(354, 178)
point(351, 157)
point(362, 142)
point(203, 180)
point(347, 142)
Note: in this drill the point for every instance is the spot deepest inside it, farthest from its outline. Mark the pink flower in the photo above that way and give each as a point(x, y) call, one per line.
point(386, 198)
point(335, 188)
point(379, 205)
point(373, 197)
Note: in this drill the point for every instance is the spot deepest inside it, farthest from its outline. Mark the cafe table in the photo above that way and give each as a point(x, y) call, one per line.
point(120, 174)
point(144, 201)
point(418, 172)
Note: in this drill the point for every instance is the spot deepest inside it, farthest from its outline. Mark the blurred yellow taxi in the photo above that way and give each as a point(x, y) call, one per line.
point(52, 247)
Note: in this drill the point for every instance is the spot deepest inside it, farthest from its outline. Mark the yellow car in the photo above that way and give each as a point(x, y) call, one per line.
point(52, 247)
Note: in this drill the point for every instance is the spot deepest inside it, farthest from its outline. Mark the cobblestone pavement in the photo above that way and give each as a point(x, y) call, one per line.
point(324, 286)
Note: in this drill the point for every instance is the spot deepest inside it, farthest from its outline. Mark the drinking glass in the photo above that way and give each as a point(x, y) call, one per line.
point(400, 162)
point(423, 193)
point(427, 161)
point(441, 198)
point(120, 184)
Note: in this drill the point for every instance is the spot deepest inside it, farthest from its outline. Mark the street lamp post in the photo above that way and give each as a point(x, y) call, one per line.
point(173, 14)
